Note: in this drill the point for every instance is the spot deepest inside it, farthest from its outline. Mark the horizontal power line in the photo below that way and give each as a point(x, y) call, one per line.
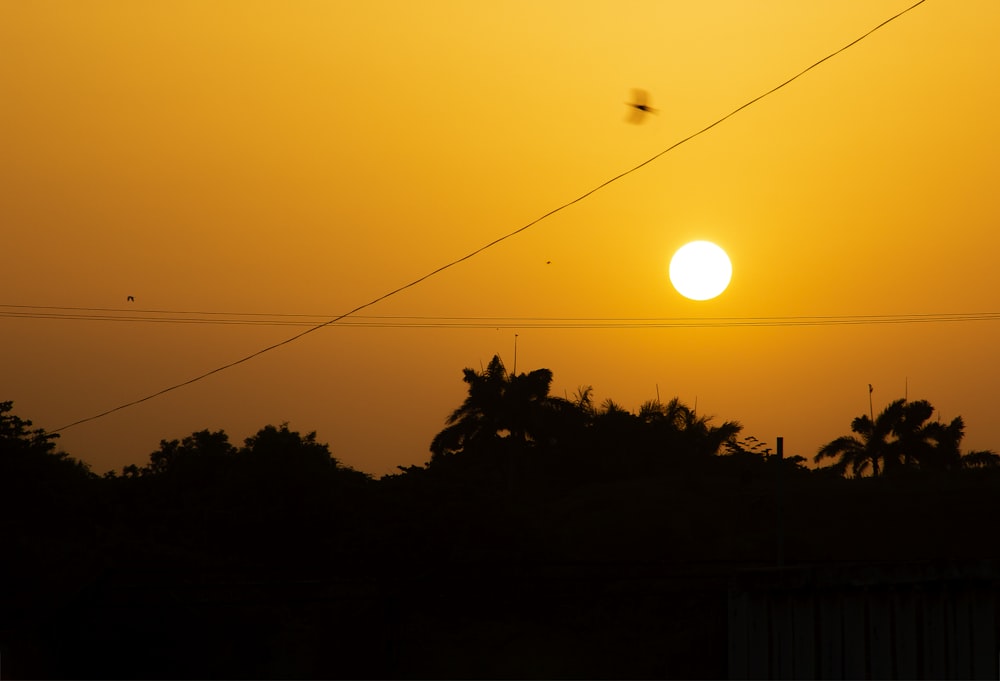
point(120, 315)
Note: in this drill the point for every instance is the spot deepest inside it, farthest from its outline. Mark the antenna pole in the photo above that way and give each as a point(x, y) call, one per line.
point(780, 502)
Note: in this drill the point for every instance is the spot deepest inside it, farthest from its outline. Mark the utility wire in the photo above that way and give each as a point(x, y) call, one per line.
point(493, 243)
point(475, 322)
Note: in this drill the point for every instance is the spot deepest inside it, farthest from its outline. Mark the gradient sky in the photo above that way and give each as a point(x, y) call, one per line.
point(308, 157)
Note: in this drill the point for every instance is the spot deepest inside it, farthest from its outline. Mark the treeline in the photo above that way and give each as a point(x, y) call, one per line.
point(545, 537)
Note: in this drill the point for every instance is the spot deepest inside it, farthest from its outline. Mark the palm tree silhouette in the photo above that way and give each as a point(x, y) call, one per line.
point(869, 448)
point(914, 436)
point(903, 437)
point(680, 425)
point(499, 406)
point(946, 452)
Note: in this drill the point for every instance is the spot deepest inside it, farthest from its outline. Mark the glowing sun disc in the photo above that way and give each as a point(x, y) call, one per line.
point(700, 270)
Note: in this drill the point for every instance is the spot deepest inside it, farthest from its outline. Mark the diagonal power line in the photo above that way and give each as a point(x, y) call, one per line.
point(496, 241)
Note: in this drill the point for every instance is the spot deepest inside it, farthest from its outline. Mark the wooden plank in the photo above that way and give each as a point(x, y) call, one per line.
point(906, 641)
point(855, 636)
point(739, 633)
point(984, 636)
point(960, 667)
point(782, 638)
point(880, 646)
point(935, 640)
point(804, 626)
point(831, 636)
point(759, 643)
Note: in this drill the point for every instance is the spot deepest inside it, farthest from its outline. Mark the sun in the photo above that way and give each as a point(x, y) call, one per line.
point(700, 270)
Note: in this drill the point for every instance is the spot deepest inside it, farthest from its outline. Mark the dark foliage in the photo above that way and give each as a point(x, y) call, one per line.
point(902, 440)
point(546, 537)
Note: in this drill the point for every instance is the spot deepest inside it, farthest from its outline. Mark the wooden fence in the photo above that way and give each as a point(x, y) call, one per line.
point(866, 622)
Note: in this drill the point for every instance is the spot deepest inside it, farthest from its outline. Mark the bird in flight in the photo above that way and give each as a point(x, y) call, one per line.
point(131, 299)
point(639, 106)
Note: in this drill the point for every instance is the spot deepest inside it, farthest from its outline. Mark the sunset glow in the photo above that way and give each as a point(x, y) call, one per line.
point(301, 158)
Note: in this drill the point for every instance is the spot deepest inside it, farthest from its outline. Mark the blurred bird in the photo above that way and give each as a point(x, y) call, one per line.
point(639, 106)
point(131, 299)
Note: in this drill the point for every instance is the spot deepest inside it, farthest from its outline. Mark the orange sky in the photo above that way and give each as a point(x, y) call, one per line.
point(307, 157)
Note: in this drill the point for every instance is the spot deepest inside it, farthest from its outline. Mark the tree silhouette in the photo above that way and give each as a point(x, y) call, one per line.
point(901, 438)
point(499, 406)
point(281, 449)
point(685, 430)
point(28, 456)
point(946, 453)
point(505, 416)
point(981, 458)
point(869, 448)
point(285, 472)
point(294, 469)
point(664, 436)
point(199, 453)
point(913, 443)
point(270, 559)
point(17, 432)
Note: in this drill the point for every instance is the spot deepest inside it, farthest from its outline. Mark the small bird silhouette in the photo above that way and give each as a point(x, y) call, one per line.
point(131, 299)
point(639, 106)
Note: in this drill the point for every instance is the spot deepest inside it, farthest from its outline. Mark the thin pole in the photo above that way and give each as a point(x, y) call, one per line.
point(514, 372)
point(871, 410)
point(780, 503)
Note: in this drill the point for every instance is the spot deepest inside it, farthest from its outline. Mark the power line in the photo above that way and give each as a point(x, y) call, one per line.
point(133, 309)
point(49, 312)
point(496, 241)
